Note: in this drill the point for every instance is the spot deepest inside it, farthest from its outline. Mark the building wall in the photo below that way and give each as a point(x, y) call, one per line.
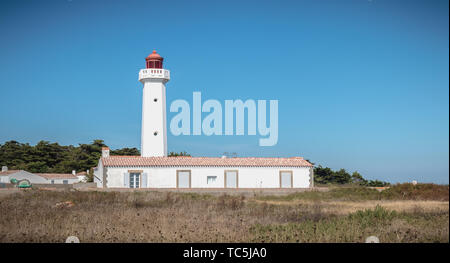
point(255, 177)
point(4, 179)
point(98, 174)
point(60, 181)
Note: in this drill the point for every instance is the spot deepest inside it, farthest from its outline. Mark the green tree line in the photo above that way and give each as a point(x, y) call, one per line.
point(325, 175)
point(46, 157)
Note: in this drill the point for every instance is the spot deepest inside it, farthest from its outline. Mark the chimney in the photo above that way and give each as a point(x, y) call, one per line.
point(105, 152)
point(4, 168)
point(74, 172)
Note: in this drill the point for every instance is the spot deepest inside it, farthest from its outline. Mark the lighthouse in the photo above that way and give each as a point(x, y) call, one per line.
point(150, 169)
point(154, 132)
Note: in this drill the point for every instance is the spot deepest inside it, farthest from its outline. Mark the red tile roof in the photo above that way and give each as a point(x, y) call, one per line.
point(118, 161)
point(56, 176)
point(45, 175)
point(9, 172)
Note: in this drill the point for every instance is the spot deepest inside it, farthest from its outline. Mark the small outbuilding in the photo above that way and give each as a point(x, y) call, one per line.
point(6, 176)
point(36, 178)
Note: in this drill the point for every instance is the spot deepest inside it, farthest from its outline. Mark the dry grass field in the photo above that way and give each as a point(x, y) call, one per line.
point(403, 213)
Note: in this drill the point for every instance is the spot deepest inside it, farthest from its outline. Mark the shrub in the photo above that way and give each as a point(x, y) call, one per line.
point(418, 192)
point(370, 217)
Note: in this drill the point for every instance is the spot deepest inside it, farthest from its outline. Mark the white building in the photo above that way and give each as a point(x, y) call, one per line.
point(153, 169)
point(6, 176)
point(36, 178)
point(57, 178)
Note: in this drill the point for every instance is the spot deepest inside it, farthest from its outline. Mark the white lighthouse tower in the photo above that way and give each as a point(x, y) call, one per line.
point(154, 132)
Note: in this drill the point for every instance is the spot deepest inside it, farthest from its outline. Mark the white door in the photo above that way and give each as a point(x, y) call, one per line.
point(184, 179)
point(135, 180)
point(231, 179)
point(286, 179)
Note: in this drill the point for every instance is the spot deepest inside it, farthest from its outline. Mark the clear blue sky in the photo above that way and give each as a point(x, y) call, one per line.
point(362, 85)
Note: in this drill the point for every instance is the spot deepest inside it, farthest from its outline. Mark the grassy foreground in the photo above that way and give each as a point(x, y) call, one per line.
point(404, 213)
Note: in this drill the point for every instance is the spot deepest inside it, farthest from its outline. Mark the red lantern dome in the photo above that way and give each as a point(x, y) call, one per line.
point(154, 60)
